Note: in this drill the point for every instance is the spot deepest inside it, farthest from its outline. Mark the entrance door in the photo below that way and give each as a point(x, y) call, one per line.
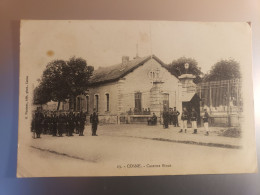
point(193, 103)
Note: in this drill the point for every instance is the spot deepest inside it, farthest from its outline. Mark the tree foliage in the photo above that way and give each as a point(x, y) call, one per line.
point(77, 75)
point(224, 70)
point(62, 80)
point(177, 68)
point(40, 96)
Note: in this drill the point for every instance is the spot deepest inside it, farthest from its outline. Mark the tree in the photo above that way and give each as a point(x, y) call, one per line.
point(40, 96)
point(54, 81)
point(177, 68)
point(62, 80)
point(77, 76)
point(224, 70)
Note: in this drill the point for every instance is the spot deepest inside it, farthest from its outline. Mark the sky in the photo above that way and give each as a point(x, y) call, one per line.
point(103, 43)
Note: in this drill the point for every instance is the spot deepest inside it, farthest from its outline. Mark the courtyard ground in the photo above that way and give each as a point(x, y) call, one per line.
point(118, 147)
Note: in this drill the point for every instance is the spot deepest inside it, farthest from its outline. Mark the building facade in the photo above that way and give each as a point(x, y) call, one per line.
point(131, 91)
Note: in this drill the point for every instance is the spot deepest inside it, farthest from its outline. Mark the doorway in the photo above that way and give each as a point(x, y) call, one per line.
point(193, 103)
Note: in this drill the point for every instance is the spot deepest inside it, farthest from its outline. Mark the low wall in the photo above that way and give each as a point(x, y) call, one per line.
point(232, 120)
point(134, 119)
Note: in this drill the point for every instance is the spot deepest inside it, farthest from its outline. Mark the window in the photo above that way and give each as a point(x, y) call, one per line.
point(87, 104)
point(152, 75)
point(96, 102)
point(107, 99)
point(138, 102)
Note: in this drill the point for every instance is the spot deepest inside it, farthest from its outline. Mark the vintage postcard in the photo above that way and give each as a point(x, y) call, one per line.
point(128, 98)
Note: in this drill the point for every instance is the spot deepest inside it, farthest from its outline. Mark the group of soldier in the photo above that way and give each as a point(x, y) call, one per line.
point(57, 124)
point(171, 117)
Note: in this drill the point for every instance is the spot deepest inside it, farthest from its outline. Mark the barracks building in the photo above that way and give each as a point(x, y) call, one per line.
point(131, 91)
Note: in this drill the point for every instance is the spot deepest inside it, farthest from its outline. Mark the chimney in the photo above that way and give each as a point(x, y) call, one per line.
point(125, 60)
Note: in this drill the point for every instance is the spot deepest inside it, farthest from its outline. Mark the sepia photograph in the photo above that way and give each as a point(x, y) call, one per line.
point(135, 98)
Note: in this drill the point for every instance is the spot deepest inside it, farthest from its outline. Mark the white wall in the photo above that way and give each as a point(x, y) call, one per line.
point(139, 80)
point(111, 89)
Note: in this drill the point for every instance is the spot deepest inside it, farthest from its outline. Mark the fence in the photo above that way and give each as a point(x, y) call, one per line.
point(223, 99)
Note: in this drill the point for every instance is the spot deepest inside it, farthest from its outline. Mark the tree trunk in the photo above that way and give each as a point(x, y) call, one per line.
point(58, 107)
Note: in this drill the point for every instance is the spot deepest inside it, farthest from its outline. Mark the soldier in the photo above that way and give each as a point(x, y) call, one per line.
point(74, 122)
point(61, 124)
point(71, 123)
point(77, 123)
point(54, 124)
point(175, 117)
point(49, 128)
point(45, 123)
point(33, 125)
point(193, 118)
point(165, 119)
point(66, 117)
point(206, 121)
point(82, 119)
point(50, 124)
point(152, 120)
point(41, 122)
point(37, 126)
point(184, 119)
point(94, 121)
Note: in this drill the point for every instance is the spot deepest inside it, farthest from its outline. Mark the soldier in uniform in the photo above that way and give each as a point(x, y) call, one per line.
point(184, 119)
point(61, 124)
point(33, 125)
point(37, 126)
point(165, 119)
point(54, 124)
point(42, 124)
point(77, 123)
point(45, 123)
point(152, 120)
point(170, 116)
point(49, 127)
point(194, 118)
point(71, 123)
point(205, 119)
point(82, 119)
point(94, 121)
point(67, 129)
point(175, 117)
point(51, 124)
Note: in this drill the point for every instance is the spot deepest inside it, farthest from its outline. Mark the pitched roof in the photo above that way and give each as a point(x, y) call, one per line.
point(115, 72)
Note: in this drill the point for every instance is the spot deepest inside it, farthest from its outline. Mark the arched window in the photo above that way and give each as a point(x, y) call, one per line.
point(152, 75)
